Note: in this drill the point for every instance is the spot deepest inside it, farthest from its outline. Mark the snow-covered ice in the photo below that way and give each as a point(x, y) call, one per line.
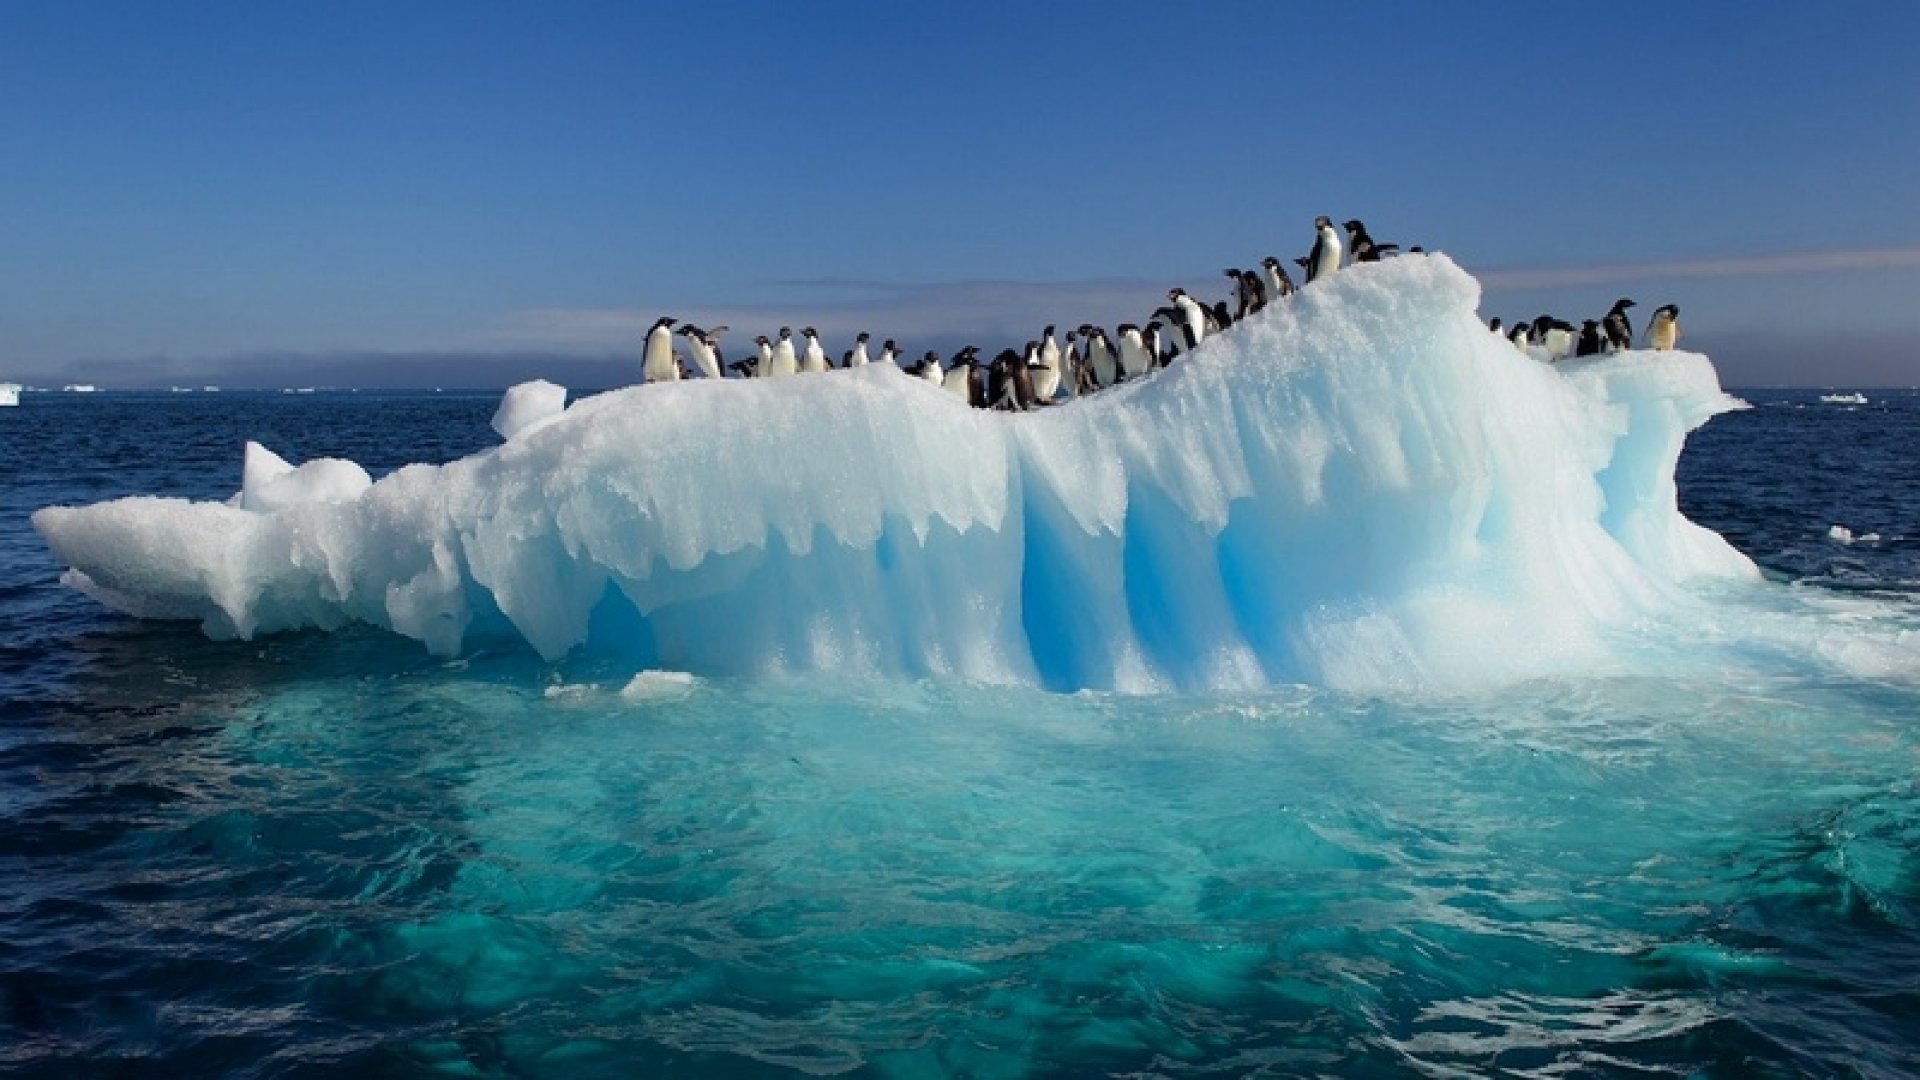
point(527, 406)
point(1359, 487)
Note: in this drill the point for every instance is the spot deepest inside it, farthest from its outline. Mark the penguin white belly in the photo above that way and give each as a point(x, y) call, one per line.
point(783, 361)
point(1046, 381)
point(1104, 367)
point(659, 365)
point(956, 380)
point(704, 359)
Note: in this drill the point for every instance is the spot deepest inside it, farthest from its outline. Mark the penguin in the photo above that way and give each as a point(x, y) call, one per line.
point(1520, 337)
point(1245, 299)
point(1135, 360)
point(1150, 339)
point(1179, 336)
point(1279, 285)
point(763, 363)
point(962, 377)
point(1554, 335)
point(1255, 289)
point(890, 353)
point(1324, 259)
point(929, 369)
point(1046, 373)
point(998, 393)
point(1026, 395)
point(1078, 375)
point(1362, 245)
point(955, 379)
point(1193, 313)
point(813, 358)
point(1589, 344)
point(1493, 326)
point(781, 360)
point(1663, 333)
point(1101, 361)
point(702, 344)
point(1220, 318)
point(658, 364)
point(858, 356)
point(1617, 327)
point(1009, 383)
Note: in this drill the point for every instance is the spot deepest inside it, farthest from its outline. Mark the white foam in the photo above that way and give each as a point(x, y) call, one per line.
point(1842, 535)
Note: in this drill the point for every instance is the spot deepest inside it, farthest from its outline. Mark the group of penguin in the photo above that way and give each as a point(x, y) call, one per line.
point(1091, 359)
point(1558, 339)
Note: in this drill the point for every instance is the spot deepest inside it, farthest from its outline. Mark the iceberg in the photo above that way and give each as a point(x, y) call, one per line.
point(9, 394)
point(1359, 487)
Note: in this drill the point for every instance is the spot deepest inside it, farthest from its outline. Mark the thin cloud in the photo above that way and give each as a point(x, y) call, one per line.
point(1739, 266)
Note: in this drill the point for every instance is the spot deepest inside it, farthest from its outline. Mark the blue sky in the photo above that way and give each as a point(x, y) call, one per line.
point(462, 194)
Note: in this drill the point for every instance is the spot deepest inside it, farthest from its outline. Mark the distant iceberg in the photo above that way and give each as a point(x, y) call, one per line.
point(1843, 399)
point(9, 394)
point(1359, 487)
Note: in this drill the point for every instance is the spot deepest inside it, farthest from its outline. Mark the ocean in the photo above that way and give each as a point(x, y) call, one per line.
point(334, 854)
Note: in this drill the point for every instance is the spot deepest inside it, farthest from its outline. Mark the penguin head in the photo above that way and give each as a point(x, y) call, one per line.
point(786, 332)
point(761, 339)
point(665, 320)
point(1622, 304)
point(811, 332)
point(862, 337)
point(1323, 222)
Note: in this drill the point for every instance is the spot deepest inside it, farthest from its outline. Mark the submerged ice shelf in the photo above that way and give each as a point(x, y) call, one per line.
point(1360, 487)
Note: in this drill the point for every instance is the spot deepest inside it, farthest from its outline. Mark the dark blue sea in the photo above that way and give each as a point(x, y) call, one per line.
point(334, 855)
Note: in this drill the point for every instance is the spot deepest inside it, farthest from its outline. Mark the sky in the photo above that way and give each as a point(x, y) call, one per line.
point(470, 194)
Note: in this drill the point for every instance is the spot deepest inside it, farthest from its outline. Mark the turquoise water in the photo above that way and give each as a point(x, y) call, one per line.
point(334, 855)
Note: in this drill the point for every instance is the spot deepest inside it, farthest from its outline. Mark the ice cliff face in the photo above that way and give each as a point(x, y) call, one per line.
point(1360, 487)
